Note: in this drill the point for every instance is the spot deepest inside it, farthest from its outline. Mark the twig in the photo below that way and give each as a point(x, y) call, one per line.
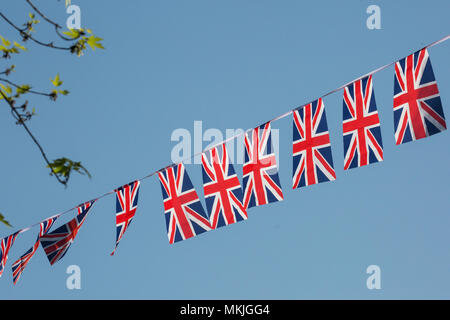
point(13, 109)
point(28, 36)
point(8, 70)
point(42, 15)
point(30, 91)
point(56, 25)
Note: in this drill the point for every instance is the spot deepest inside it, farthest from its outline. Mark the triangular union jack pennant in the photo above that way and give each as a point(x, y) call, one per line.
point(222, 189)
point(185, 216)
point(126, 206)
point(312, 158)
point(5, 246)
point(260, 173)
point(57, 242)
point(22, 262)
point(417, 105)
point(85, 207)
point(361, 125)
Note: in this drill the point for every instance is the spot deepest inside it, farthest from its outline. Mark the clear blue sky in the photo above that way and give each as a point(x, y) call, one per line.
point(231, 64)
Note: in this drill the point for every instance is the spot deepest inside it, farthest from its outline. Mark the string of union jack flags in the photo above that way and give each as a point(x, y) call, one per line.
point(417, 111)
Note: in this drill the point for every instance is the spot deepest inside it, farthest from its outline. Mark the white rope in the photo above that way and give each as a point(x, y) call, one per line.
point(284, 115)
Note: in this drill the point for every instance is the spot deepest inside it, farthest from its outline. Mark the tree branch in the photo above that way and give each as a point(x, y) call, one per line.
point(28, 36)
point(42, 15)
point(13, 109)
point(8, 70)
point(30, 91)
point(56, 25)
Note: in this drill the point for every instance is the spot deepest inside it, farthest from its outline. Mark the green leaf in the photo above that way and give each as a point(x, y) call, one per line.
point(6, 88)
point(57, 169)
point(57, 81)
point(5, 42)
point(63, 167)
point(2, 219)
point(31, 15)
point(64, 92)
point(73, 33)
point(80, 169)
point(13, 50)
point(94, 42)
point(23, 89)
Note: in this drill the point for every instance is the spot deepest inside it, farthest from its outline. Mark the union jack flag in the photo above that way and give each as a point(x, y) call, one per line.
point(312, 158)
point(84, 208)
point(57, 242)
point(222, 189)
point(417, 105)
point(126, 206)
point(5, 246)
point(185, 216)
point(361, 125)
point(260, 174)
point(22, 262)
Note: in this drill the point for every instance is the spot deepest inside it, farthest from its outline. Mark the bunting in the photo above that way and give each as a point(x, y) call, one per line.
point(312, 158)
point(184, 213)
point(5, 246)
point(418, 113)
point(19, 265)
point(57, 243)
point(260, 172)
point(222, 189)
point(417, 104)
point(126, 206)
point(361, 125)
